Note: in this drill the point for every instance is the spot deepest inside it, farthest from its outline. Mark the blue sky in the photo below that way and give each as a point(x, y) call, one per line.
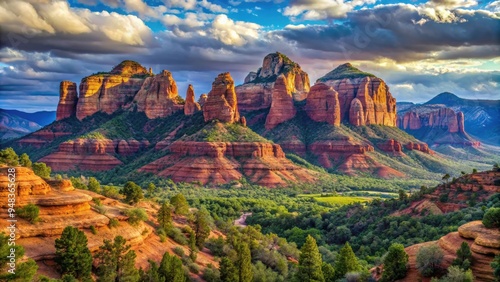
point(420, 48)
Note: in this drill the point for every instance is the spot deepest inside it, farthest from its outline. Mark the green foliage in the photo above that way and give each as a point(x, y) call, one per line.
point(491, 218)
point(262, 273)
point(211, 274)
point(136, 216)
point(344, 71)
point(9, 157)
point(42, 170)
point(346, 262)
point(170, 269)
point(456, 274)
point(116, 262)
point(113, 223)
point(228, 271)
point(395, 263)
point(310, 262)
point(180, 204)
point(164, 216)
point(464, 257)
point(151, 188)
point(244, 263)
point(78, 183)
point(193, 249)
point(25, 271)
point(222, 132)
point(25, 161)
point(29, 212)
point(133, 193)
point(177, 236)
point(429, 260)
point(202, 227)
point(93, 135)
point(94, 185)
point(72, 254)
point(495, 264)
point(328, 272)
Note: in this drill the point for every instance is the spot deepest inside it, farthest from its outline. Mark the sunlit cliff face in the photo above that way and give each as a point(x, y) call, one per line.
point(420, 48)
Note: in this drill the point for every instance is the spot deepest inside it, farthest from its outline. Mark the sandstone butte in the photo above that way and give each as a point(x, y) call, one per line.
point(67, 100)
point(62, 205)
point(282, 108)
point(323, 104)
point(443, 118)
point(190, 107)
point(364, 99)
point(256, 91)
point(222, 104)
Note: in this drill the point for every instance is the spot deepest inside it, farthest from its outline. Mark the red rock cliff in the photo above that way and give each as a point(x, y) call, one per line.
point(221, 102)
point(323, 104)
point(256, 92)
point(68, 99)
point(376, 103)
point(282, 108)
point(190, 107)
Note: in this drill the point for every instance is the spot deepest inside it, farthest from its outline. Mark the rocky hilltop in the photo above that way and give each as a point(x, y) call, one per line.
point(222, 104)
point(256, 91)
point(364, 99)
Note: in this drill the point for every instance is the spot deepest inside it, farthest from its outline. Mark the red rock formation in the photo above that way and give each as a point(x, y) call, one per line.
point(158, 96)
point(221, 102)
point(109, 92)
point(356, 113)
point(460, 119)
point(419, 147)
point(219, 162)
point(323, 104)
point(27, 183)
point(411, 121)
point(377, 104)
point(41, 138)
point(203, 99)
point(256, 92)
point(68, 98)
point(243, 121)
point(190, 107)
point(391, 146)
point(282, 108)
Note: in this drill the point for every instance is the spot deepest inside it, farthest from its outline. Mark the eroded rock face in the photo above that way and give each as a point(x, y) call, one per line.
point(158, 96)
point(377, 104)
point(203, 99)
point(356, 113)
point(68, 99)
point(222, 104)
point(256, 92)
point(190, 107)
point(282, 107)
point(28, 183)
point(391, 146)
point(109, 92)
point(323, 104)
point(422, 147)
point(220, 162)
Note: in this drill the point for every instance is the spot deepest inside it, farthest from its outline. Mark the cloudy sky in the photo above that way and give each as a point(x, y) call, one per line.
point(420, 48)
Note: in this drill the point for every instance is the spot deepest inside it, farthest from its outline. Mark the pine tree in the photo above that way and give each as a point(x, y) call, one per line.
point(181, 206)
point(133, 193)
point(9, 157)
point(395, 263)
point(116, 261)
point(346, 262)
point(202, 227)
point(244, 263)
point(170, 269)
point(328, 272)
point(165, 216)
point(464, 257)
point(310, 262)
point(72, 254)
point(228, 272)
point(25, 161)
point(151, 188)
point(193, 251)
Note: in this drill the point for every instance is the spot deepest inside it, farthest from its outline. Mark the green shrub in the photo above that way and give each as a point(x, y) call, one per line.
point(29, 212)
point(93, 229)
point(491, 218)
point(136, 216)
point(179, 251)
point(113, 223)
point(177, 236)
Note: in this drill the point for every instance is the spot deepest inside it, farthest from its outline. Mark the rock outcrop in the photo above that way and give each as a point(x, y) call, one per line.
point(222, 104)
point(391, 146)
point(190, 107)
point(158, 96)
point(282, 107)
point(92, 154)
point(68, 99)
point(222, 162)
point(437, 126)
point(256, 92)
point(422, 147)
point(323, 104)
point(203, 99)
point(109, 92)
point(376, 104)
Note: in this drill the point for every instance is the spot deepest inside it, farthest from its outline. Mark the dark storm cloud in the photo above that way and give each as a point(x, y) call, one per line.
point(401, 33)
